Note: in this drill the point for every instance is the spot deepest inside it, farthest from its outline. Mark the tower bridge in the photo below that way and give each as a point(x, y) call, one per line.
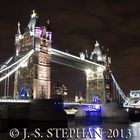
point(32, 67)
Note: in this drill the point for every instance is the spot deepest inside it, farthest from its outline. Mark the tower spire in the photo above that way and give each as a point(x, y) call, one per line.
point(108, 56)
point(96, 44)
point(48, 21)
point(18, 30)
point(48, 25)
point(48, 29)
point(33, 14)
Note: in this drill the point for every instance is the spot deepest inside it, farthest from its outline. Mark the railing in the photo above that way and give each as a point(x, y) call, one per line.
point(14, 101)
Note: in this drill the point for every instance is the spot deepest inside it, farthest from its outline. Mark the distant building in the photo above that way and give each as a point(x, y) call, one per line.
point(60, 90)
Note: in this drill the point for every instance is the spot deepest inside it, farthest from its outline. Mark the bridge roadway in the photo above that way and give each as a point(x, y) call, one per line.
point(70, 60)
point(85, 106)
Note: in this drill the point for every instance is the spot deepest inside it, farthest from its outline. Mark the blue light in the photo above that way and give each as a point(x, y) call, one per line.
point(22, 92)
point(98, 106)
point(95, 107)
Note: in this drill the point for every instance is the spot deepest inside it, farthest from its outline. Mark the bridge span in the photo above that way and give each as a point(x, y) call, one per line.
point(73, 61)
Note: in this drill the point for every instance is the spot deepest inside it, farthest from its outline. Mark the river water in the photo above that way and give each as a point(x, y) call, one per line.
point(105, 131)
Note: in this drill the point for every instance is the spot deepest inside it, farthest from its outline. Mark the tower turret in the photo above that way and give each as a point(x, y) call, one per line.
point(107, 77)
point(96, 54)
point(18, 30)
point(104, 54)
point(49, 33)
point(108, 57)
point(34, 77)
point(18, 37)
point(86, 54)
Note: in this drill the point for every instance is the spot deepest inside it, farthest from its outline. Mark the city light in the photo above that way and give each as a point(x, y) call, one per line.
point(99, 58)
point(14, 101)
point(100, 69)
point(70, 111)
point(85, 106)
point(37, 31)
point(94, 107)
point(25, 64)
point(88, 71)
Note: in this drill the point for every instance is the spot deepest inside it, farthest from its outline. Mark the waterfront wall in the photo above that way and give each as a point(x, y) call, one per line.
point(42, 113)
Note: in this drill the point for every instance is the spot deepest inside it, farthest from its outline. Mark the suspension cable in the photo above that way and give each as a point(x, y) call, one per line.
point(23, 60)
point(6, 63)
point(119, 89)
point(15, 63)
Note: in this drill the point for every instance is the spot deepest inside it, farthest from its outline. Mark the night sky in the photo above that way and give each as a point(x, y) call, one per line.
point(76, 25)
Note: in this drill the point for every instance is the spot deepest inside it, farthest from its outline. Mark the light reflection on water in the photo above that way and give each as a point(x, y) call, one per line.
point(123, 131)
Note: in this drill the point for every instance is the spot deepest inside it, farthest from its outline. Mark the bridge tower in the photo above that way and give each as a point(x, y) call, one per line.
point(32, 80)
point(98, 81)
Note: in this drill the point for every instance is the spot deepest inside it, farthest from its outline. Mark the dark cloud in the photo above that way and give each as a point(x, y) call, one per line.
point(76, 25)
